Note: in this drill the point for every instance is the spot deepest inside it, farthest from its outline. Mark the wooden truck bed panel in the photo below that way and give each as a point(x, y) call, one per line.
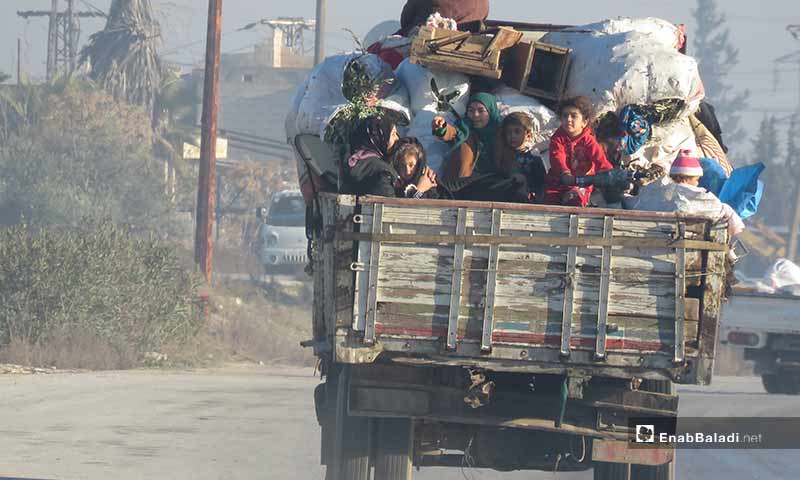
point(493, 281)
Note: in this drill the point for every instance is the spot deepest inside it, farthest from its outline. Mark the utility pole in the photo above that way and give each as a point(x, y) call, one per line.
point(52, 41)
point(208, 144)
point(794, 227)
point(319, 38)
point(19, 61)
point(63, 35)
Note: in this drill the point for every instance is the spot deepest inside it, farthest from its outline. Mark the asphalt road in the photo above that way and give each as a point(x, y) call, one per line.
point(253, 424)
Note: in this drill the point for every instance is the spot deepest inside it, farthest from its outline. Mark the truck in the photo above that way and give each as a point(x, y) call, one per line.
point(766, 326)
point(504, 336)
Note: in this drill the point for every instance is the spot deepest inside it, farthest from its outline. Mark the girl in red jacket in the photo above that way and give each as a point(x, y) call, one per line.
point(574, 154)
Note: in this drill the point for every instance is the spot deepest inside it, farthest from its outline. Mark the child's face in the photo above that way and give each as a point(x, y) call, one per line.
point(517, 136)
point(407, 167)
point(573, 122)
point(478, 115)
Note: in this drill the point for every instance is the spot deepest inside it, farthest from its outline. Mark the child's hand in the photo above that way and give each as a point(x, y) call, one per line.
point(427, 181)
point(439, 125)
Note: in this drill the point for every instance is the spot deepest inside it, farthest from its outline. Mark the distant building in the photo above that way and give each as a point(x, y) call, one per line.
point(257, 87)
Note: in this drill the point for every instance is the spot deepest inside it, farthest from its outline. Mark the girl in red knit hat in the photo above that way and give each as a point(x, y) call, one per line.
point(681, 193)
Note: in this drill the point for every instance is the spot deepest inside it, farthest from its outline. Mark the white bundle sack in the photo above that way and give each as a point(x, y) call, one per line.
point(436, 149)
point(323, 98)
point(664, 195)
point(545, 121)
point(782, 273)
point(628, 61)
point(417, 79)
point(664, 146)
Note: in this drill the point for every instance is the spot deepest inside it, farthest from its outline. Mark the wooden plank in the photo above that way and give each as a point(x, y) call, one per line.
point(680, 309)
point(398, 319)
point(455, 284)
point(342, 261)
point(506, 207)
point(569, 291)
point(491, 284)
point(654, 298)
point(373, 269)
point(628, 262)
point(535, 241)
point(605, 280)
point(549, 223)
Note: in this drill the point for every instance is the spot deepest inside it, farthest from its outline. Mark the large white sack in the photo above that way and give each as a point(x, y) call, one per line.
point(628, 61)
point(436, 149)
point(664, 195)
point(664, 145)
point(545, 121)
point(782, 273)
point(323, 98)
point(417, 79)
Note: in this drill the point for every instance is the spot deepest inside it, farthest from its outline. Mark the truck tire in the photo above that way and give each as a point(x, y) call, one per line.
point(394, 455)
point(351, 458)
point(772, 383)
point(622, 471)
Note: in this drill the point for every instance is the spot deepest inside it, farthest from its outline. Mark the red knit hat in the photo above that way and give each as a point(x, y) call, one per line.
point(686, 165)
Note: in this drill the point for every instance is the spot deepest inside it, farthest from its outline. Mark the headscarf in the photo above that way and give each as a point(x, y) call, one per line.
point(399, 150)
point(373, 134)
point(636, 130)
point(486, 135)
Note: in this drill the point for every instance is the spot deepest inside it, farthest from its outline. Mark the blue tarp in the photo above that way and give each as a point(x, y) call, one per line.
point(714, 176)
point(743, 190)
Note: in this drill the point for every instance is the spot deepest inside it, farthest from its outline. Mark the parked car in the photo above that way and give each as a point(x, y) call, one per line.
point(282, 239)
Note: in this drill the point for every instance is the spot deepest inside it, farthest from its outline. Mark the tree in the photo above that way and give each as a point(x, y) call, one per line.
point(123, 56)
point(717, 57)
point(777, 185)
point(81, 154)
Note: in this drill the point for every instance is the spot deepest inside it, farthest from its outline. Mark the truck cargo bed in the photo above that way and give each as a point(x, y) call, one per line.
point(519, 287)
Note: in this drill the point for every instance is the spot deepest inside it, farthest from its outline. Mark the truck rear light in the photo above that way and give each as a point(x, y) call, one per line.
point(743, 338)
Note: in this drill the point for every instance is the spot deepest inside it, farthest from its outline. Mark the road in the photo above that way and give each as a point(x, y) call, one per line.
point(248, 423)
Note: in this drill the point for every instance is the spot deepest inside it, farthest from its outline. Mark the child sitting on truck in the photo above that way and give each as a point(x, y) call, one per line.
point(574, 155)
point(680, 192)
point(516, 158)
point(414, 178)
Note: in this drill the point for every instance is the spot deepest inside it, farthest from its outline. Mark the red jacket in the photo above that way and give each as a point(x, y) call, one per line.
point(578, 157)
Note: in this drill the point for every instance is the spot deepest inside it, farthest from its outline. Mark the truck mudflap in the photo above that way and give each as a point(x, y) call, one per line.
point(612, 451)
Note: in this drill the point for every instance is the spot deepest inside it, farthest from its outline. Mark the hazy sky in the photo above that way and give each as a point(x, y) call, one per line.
point(758, 29)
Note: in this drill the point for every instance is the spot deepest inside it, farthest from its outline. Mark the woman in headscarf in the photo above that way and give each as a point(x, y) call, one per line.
point(473, 139)
point(366, 170)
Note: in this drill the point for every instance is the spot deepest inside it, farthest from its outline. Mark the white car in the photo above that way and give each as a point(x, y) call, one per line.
point(282, 235)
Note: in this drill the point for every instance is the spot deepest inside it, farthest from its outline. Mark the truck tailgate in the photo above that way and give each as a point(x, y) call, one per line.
point(509, 287)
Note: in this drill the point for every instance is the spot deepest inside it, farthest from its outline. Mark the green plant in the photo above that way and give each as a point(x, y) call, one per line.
point(123, 57)
point(131, 292)
point(361, 90)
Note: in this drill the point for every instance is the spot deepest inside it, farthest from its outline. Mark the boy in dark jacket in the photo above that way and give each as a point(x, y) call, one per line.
point(574, 155)
point(515, 156)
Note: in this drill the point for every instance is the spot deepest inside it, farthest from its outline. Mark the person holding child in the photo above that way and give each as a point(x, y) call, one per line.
point(575, 155)
point(472, 139)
